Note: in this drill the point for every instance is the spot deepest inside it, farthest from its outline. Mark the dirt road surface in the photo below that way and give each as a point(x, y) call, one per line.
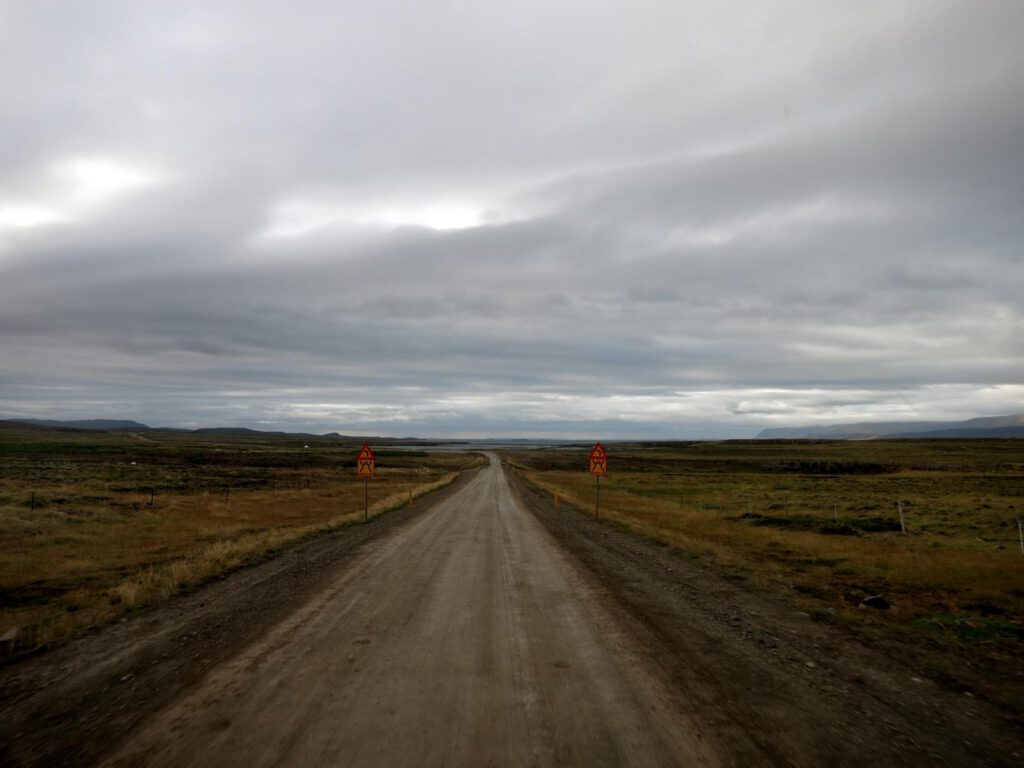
point(485, 628)
point(464, 639)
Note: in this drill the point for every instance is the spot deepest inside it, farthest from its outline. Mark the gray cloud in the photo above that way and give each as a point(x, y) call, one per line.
point(561, 219)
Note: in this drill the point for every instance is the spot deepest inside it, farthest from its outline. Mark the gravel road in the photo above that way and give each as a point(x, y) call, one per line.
point(484, 627)
point(464, 639)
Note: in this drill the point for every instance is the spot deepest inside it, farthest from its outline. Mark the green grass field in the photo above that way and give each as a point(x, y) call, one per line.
point(93, 525)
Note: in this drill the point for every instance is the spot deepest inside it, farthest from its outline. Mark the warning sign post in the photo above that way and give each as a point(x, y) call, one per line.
point(366, 467)
point(599, 469)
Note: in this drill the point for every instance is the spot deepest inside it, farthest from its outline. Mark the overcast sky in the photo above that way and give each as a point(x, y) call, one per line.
point(553, 218)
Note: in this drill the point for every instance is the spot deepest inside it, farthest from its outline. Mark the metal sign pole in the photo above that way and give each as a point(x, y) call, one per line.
point(366, 499)
point(598, 467)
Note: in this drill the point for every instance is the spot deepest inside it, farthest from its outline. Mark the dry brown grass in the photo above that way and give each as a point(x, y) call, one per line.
point(91, 551)
point(156, 583)
point(817, 525)
point(922, 569)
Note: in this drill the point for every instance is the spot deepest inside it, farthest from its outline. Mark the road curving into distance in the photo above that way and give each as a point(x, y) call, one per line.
point(464, 638)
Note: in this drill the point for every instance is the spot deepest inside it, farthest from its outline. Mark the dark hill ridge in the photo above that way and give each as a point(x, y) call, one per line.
point(966, 433)
point(118, 425)
point(1011, 426)
point(124, 425)
point(106, 425)
point(988, 426)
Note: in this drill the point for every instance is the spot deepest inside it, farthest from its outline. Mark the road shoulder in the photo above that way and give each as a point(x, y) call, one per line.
point(769, 684)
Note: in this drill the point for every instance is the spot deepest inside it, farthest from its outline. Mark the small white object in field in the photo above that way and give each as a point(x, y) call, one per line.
point(133, 463)
point(305, 446)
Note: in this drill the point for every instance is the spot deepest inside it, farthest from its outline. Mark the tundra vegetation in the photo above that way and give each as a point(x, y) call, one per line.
point(818, 522)
point(94, 525)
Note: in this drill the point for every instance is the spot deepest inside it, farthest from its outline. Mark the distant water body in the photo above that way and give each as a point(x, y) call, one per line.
point(485, 445)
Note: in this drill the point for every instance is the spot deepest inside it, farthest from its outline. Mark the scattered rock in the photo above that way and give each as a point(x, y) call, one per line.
point(10, 635)
point(8, 641)
point(811, 665)
point(875, 601)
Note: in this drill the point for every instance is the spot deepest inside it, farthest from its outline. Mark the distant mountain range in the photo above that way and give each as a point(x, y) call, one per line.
point(989, 426)
point(124, 425)
point(105, 425)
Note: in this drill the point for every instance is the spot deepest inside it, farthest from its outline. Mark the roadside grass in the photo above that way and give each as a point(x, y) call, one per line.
point(819, 521)
point(91, 547)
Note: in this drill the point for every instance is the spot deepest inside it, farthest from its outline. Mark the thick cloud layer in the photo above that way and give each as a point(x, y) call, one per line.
point(568, 218)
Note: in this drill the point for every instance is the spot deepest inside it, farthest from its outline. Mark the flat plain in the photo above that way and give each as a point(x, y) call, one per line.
point(94, 525)
point(735, 603)
point(817, 522)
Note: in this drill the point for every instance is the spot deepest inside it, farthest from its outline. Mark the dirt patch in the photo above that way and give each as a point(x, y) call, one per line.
point(70, 705)
point(769, 682)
